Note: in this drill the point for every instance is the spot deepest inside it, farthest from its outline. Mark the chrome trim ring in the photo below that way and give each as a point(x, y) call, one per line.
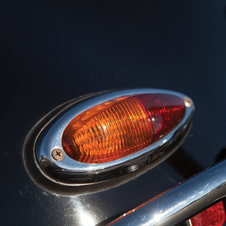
point(71, 172)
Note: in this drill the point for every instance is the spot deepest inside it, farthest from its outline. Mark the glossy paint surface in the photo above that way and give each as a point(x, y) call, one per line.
point(53, 51)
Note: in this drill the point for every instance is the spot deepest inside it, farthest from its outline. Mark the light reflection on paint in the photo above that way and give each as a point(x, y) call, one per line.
point(85, 218)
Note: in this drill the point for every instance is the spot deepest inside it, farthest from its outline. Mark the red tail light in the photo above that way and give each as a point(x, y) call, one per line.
point(121, 127)
point(213, 216)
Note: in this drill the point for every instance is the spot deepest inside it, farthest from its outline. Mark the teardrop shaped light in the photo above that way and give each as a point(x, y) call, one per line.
point(120, 127)
point(106, 135)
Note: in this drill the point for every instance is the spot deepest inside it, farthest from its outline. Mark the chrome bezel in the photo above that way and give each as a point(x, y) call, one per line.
point(69, 171)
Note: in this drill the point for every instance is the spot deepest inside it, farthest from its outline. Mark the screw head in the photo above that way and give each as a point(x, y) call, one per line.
point(187, 102)
point(57, 154)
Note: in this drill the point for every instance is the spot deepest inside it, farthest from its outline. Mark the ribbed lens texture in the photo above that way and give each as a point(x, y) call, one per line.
point(213, 216)
point(121, 127)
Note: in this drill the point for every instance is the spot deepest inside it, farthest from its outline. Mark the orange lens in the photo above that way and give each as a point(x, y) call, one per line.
point(121, 127)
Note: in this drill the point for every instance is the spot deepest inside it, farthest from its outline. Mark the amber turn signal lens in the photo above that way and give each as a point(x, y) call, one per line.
point(121, 127)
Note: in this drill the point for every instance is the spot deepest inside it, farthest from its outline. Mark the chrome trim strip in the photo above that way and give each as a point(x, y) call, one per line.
point(188, 223)
point(70, 172)
point(181, 202)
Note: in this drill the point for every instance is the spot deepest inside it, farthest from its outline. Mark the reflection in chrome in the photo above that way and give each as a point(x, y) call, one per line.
point(181, 202)
point(188, 223)
point(71, 172)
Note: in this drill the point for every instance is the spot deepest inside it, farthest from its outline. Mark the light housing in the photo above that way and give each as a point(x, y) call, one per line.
point(142, 126)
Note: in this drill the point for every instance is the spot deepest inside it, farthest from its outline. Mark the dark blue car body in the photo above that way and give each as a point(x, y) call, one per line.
point(54, 51)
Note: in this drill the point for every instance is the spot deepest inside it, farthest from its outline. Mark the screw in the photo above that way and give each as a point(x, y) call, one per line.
point(187, 102)
point(57, 154)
